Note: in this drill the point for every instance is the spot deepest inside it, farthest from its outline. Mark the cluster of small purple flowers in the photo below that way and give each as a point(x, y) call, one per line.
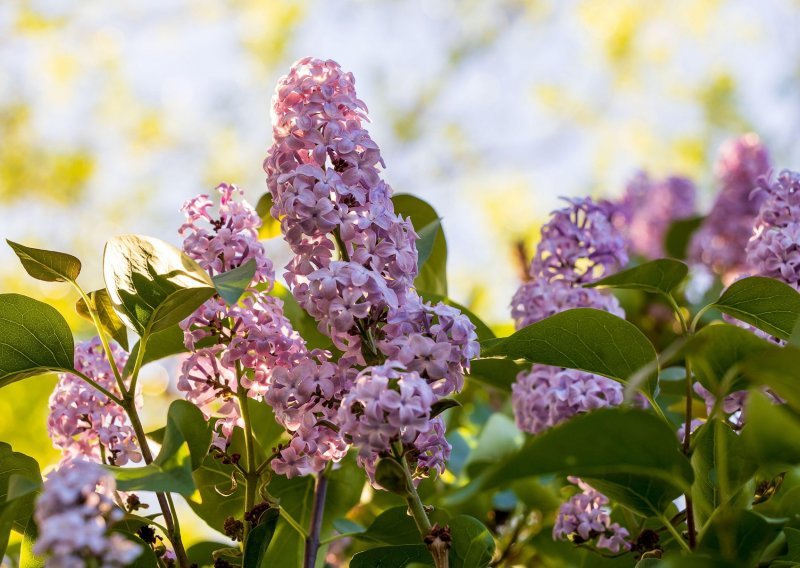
point(580, 244)
point(649, 207)
point(84, 423)
point(353, 270)
point(721, 241)
point(774, 247)
point(585, 517)
point(74, 513)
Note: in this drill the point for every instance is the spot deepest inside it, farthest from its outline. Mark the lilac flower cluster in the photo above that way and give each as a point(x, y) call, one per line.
point(580, 243)
point(649, 207)
point(774, 247)
point(324, 177)
point(586, 517)
point(84, 423)
point(353, 270)
point(250, 349)
point(721, 240)
point(73, 515)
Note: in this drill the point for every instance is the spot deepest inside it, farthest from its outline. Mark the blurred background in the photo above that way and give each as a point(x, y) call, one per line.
point(112, 114)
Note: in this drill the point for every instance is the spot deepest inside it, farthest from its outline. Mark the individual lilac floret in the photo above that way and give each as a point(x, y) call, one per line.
point(73, 515)
point(83, 422)
point(438, 342)
point(586, 517)
point(546, 396)
point(650, 206)
point(721, 240)
point(774, 248)
point(223, 240)
point(538, 299)
point(580, 243)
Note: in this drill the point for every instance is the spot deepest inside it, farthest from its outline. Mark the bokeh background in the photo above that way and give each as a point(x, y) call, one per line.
point(112, 114)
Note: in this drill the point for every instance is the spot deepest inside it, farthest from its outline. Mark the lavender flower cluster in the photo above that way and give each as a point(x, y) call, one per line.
point(585, 517)
point(84, 423)
point(74, 513)
point(580, 244)
point(353, 270)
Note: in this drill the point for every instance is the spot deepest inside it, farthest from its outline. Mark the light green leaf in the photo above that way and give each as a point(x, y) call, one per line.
point(597, 447)
point(34, 339)
point(586, 339)
point(660, 276)
point(472, 545)
point(47, 265)
point(185, 424)
point(270, 227)
point(427, 238)
point(108, 317)
point(766, 303)
point(152, 284)
point(232, 284)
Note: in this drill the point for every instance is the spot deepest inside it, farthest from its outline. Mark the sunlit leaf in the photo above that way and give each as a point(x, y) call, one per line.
point(108, 317)
point(47, 265)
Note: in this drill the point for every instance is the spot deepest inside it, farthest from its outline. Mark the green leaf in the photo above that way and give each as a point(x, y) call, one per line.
point(27, 557)
point(627, 454)
point(106, 314)
point(174, 477)
point(392, 556)
point(778, 369)
point(395, 526)
point(705, 490)
point(472, 545)
point(258, 540)
point(303, 323)
point(766, 303)
point(216, 497)
point(152, 284)
point(747, 534)
point(47, 265)
point(496, 372)
point(200, 553)
point(19, 481)
point(679, 235)
point(432, 276)
point(160, 345)
point(586, 339)
point(34, 339)
point(232, 284)
point(185, 424)
point(427, 238)
point(723, 347)
point(390, 475)
point(660, 276)
point(772, 433)
point(147, 558)
point(499, 439)
point(270, 227)
point(443, 404)
point(481, 329)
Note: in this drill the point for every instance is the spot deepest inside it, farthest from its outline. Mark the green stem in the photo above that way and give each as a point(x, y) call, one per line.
point(697, 317)
point(678, 312)
point(251, 478)
point(415, 506)
point(674, 532)
point(293, 523)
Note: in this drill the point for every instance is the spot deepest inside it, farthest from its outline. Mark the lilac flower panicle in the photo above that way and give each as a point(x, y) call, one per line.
point(84, 423)
point(650, 206)
point(73, 515)
point(580, 243)
point(721, 240)
point(586, 517)
point(774, 247)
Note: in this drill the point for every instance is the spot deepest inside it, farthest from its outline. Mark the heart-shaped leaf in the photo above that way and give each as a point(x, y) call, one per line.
point(47, 265)
point(766, 303)
point(660, 276)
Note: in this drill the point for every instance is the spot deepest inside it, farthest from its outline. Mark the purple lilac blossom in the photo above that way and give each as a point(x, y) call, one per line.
point(585, 517)
point(580, 243)
point(73, 515)
point(650, 206)
point(774, 247)
point(721, 240)
point(83, 422)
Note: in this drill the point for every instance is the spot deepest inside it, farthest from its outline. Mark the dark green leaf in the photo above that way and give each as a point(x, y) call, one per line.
point(443, 404)
point(660, 276)
point(392, 556)
point(472, 545)
point(768, 304)
point(779, 369)
point(722, 347)
point(185, 424)
point(432, 276)
point(152, 284)
point(630, 455)
point(679, 234)
point(160, 345)
point(232, 284)
point(19, 481)
point(47, 265)
point(258, 540)
point(34, 339)
point(772, 433)
point(496, 372)
point(481, 329)
point(200, 553)
point(108, 317)
point(738, 535)
point(587, 339)
point(390, 475)
point(427, 238)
